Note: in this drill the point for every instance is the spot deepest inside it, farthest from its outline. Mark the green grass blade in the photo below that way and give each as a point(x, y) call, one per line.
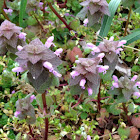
point(22, 12)
point(107, 20)
point(1, 5)
point(132, 37)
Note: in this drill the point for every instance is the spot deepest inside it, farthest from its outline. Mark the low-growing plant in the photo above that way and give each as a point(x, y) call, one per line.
point(49, 54)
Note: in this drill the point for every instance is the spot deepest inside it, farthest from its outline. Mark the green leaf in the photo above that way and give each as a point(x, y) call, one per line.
point(124, 131)
point(22, 12)
point(84, 115)
point(11, 135)
point(132, 37)
point(1, 5)
point(114, 110)
point(131, 107)
point(107, 20)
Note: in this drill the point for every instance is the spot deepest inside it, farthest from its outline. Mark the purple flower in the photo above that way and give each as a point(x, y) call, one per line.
point(40, 4)
point(137, 94)
point(121, 43)
point(134, 78)
point(32, 97)
point(56, 73)
point(115, 78)
point(17, 113)
point(58, 51)
point(19, 48)
point(67, 14)
point(119, 50)
point(102, 68)
point(22, 36)
point(82, 83)
point(8, 11)
point(74, 74)
point(88, 137)
point(115, 85)
point(49, 42)
point(13, 91)
point(48, 65)
point(90, 91)
point(18, 69)
point(137, 84)
point(85, 22)
point(101, 55)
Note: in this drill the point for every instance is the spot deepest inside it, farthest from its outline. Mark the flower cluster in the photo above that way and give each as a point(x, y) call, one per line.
point(86, 73)
point(127, 86)
point(93, 9)
point(8, 11)
point(9, 37)
point(25, 110)
point(34, 56)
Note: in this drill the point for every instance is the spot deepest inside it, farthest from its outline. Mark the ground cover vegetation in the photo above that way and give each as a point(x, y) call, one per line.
point(69, 69)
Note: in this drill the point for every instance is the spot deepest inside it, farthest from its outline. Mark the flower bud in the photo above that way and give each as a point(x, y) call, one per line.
point(119, 50)
point(101, 55)
point(90, 91)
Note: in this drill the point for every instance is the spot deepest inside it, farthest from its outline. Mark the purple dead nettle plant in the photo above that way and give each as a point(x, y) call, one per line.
point(41, 64)
point(86, 74)
point(93, 9)
point(25, 110)
point(126, 86)
point(39, 60)
point(9, 37)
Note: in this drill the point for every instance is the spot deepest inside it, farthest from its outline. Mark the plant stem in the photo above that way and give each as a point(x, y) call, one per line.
point(45, 113)
point(44, 8)
point(39, 23)
point(57, 14)
point(31, 133)
point(99, 98)
point(126, 26)
point(126, 113)
point(79, 101)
